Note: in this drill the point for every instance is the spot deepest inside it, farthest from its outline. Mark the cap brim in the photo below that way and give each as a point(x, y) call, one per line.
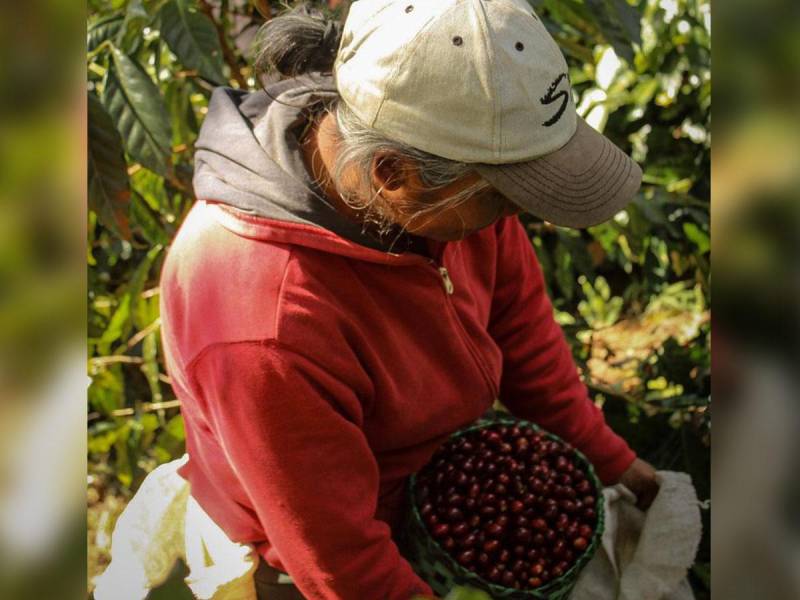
point(583, 183)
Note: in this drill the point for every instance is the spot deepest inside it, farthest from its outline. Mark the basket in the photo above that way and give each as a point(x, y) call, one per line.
point(441, 571)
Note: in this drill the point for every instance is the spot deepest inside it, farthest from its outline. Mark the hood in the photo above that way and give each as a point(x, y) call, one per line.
point(248, 157)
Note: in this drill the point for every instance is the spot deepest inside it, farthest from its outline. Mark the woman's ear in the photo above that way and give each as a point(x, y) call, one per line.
point(396, 178)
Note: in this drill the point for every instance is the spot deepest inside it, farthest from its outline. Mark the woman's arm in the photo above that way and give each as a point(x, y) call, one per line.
point(292, 433)
point(540, 379)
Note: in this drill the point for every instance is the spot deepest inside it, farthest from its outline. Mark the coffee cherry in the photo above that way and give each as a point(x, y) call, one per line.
point(572, 531)
point(494, 438)
point(580, 543)
point(441, 530)
point(494, 530)
point(455, 515)
point(455, 500)
point(551, 512)
point(466, 557)
point(523, 535)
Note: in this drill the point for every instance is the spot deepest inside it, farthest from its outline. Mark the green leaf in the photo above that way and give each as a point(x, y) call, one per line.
point(175, 427)
point(467, 593)
point(135, 105)
point(620, 23)
point(564, 274)
point(147, 222)
point(121, 322)
point(150, 367)
point(107, 390)
point(698, 236)
point(130, 35)
point(193, 38)
point(109, 191)
point(105, 28)
point(145, 312)
point(150, 187)
point(116, 326)
point(171, 442)
point(123, 462)
point(184, 122)
point(102, 443)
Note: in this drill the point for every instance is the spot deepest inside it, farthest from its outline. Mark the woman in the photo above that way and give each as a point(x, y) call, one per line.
point(352, 286)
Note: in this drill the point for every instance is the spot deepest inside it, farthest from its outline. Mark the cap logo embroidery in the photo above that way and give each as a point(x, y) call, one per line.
point(551, 97)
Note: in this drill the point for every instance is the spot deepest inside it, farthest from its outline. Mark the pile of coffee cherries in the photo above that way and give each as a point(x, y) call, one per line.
point(509, 504)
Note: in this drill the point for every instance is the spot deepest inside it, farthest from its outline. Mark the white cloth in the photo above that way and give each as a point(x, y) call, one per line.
point(644, 556)
point(162, 524)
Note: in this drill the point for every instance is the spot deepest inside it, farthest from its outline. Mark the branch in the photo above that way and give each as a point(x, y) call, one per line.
point(227, 52)
point(146, 407)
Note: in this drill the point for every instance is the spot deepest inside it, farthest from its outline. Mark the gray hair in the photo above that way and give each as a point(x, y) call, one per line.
point(358, 144)
point(304, 40)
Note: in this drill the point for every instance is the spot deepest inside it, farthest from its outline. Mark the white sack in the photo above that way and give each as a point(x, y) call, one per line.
point(162, 524)
point(645, 556)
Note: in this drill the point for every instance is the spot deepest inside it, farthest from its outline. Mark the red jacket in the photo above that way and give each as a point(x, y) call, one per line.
point(316, 374)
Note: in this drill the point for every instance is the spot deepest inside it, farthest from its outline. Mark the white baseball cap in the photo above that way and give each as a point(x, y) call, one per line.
point(483, 82)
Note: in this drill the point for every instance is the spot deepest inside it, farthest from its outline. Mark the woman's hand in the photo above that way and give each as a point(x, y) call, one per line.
point(640, 478)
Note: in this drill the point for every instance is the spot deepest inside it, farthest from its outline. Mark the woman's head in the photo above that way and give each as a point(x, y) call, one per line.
point(451, 94)
point(388, 182)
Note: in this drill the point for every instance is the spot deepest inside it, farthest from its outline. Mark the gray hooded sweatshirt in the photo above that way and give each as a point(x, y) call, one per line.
point(248, 156)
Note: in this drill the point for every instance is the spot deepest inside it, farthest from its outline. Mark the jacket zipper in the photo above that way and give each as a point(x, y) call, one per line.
point(449, 288)
point(448, 283)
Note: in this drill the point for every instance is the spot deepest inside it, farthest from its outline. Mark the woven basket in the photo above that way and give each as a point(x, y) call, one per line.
point(441, 571)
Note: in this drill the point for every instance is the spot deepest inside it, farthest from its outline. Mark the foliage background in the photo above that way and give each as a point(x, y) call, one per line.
point(632, 294)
